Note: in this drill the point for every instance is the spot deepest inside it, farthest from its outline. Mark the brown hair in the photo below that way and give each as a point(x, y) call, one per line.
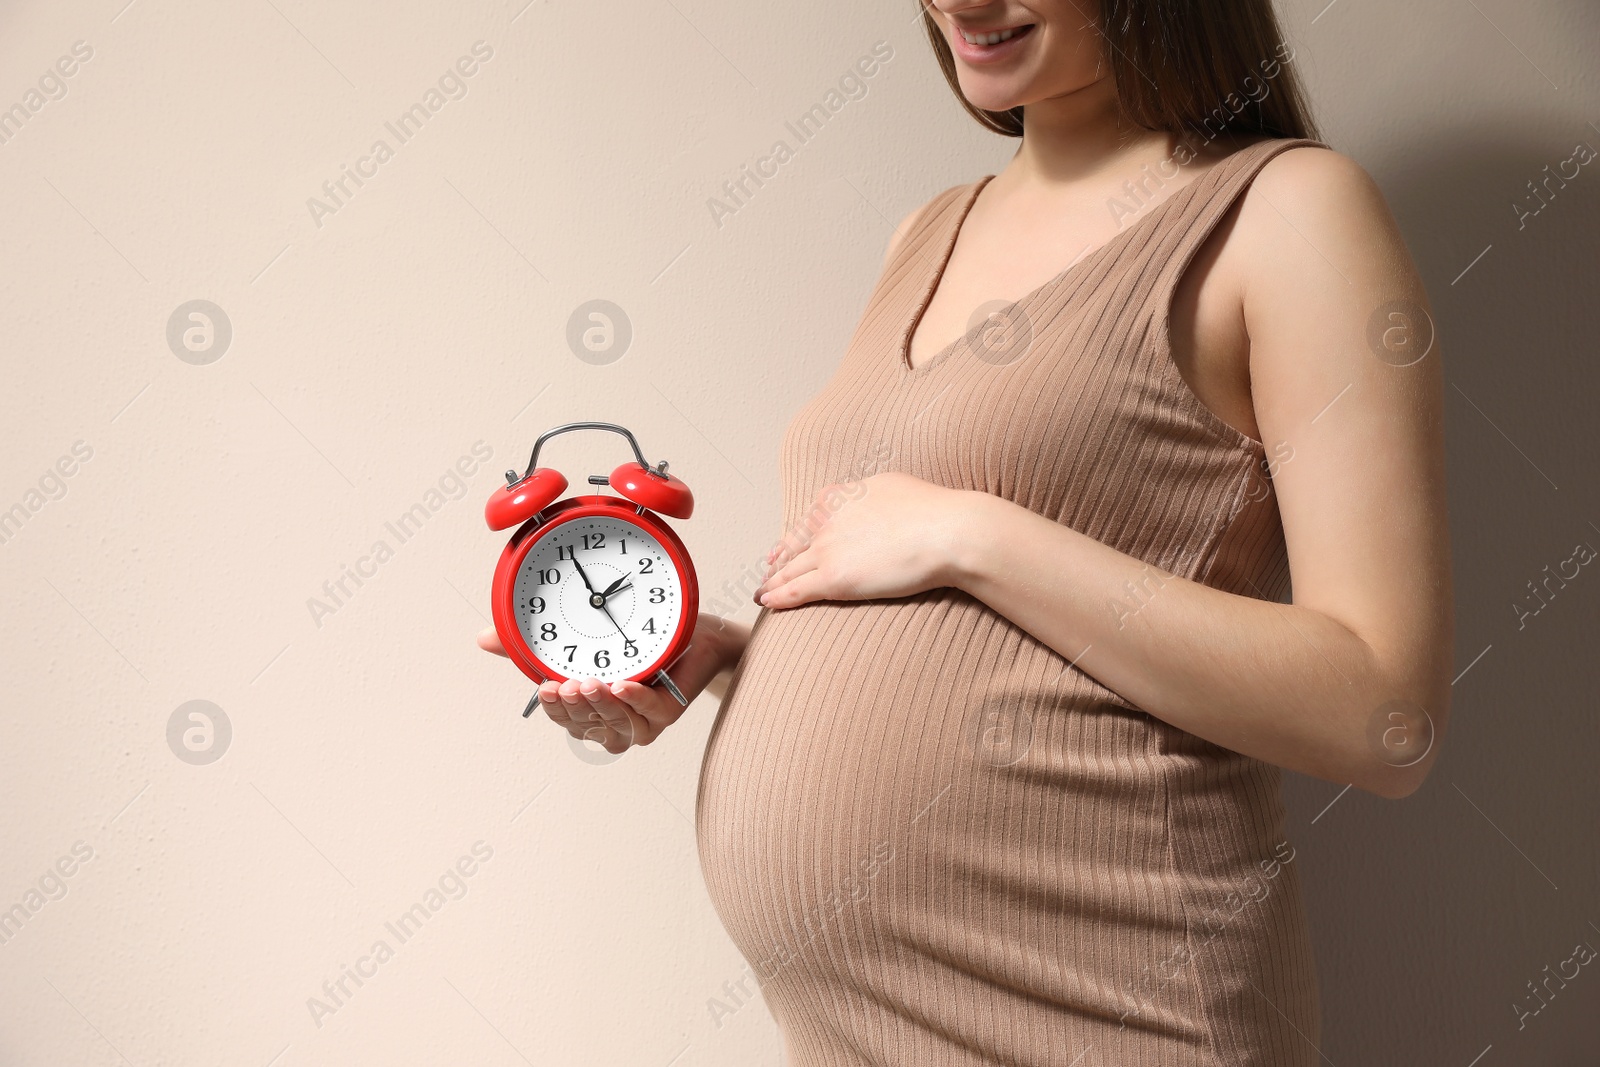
point(1182, 66)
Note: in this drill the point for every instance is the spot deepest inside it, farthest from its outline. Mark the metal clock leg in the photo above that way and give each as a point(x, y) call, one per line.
point(666, 680)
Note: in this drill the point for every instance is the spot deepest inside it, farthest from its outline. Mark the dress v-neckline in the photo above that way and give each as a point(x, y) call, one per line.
point(904, 353)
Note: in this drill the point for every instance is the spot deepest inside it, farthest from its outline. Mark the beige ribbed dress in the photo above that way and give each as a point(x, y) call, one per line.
point(934, 839)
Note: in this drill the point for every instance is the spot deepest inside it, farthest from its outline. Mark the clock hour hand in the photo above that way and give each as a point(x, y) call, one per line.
point(616, 586)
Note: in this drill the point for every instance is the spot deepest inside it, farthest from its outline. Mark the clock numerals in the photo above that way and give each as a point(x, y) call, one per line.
point(567, 630)
point(602, 656)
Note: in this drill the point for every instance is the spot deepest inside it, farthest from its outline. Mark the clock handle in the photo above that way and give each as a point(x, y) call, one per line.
point(533, 460)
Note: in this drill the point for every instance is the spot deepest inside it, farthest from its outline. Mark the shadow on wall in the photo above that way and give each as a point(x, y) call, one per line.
point(1467, 915)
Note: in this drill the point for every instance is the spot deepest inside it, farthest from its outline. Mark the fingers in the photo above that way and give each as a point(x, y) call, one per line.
point(616, 716)
point(594, 714)
point(550, 700)
point(802, 589)
point(803, 563)
point(489, 641)
point(587, 711)
point(783, 552)
point(658, 709)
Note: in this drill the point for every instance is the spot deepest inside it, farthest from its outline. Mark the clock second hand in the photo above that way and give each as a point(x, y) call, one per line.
point(666, 679)
point(626, 640)
point(612, 590)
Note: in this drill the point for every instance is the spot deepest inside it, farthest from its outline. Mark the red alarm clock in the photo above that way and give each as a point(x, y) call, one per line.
point(594, 586)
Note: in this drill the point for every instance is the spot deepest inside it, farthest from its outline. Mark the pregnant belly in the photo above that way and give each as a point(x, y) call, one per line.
point(912, 803)
point(919, 773)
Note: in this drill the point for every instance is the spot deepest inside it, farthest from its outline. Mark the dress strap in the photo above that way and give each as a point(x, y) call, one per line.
point(922, 243)
point(1205, 201)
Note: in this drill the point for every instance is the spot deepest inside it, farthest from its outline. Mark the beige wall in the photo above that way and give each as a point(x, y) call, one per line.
point(376, 345)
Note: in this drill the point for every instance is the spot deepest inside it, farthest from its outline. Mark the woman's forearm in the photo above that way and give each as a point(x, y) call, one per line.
point(731, 639)
point(1278, 682)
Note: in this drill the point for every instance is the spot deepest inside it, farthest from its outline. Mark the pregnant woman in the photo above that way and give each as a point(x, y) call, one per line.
point(996, 775)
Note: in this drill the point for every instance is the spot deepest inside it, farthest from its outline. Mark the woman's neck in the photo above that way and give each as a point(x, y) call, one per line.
point(1078, 135)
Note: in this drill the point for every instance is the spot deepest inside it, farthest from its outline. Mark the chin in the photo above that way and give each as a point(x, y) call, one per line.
point(992, 97)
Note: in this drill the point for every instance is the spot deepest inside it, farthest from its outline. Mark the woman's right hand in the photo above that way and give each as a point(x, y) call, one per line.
point(622, 714)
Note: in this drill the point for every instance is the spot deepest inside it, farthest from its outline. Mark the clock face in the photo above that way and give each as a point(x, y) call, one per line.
point(598, 597)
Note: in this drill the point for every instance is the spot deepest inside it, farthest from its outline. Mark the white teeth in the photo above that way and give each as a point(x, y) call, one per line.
point(987, 38)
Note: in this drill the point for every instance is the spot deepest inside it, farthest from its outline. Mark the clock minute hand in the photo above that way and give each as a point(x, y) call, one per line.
point(582, 575)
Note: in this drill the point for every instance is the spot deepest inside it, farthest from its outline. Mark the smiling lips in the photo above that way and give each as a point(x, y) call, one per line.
point(989, 46)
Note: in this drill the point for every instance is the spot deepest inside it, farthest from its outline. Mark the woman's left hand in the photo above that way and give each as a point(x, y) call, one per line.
point(889, 535)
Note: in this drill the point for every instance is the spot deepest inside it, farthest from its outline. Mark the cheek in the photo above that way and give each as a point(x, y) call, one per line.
point(1072, 48)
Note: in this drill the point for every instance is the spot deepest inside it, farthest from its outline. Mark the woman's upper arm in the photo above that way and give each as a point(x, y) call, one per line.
point(1345, 368)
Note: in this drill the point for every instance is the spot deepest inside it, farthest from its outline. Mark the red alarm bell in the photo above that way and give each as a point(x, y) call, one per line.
point(594, 586)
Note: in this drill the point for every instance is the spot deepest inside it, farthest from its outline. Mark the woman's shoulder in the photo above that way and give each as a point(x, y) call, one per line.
point(1313, 195)
point(1316, 179)
point(925, 213)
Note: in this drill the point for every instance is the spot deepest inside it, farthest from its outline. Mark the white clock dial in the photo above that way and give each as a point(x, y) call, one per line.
point(556, 609)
